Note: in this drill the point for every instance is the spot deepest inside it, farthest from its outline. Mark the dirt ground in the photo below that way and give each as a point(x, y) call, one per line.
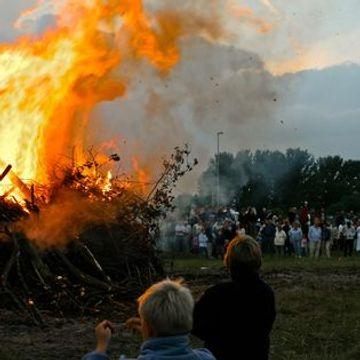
point(318, 315)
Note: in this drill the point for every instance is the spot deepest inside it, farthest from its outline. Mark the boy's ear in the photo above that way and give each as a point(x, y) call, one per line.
point(147, 330)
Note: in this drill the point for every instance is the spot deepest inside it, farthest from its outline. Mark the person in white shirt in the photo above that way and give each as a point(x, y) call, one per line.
point(349, 234)
point(357, 246)
point(203, 244)
point(280, 238)
point(187, 235)
point(314, 236)
point(296, 235)
point(180, 231)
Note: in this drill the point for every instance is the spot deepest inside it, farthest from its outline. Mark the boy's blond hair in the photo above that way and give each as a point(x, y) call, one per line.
point(167, 307)
point(243, 254)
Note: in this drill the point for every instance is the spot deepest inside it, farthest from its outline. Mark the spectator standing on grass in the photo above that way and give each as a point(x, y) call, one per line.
point(267, 234)
point(229, 230)
point(357, 245)
point(304, 246)
point(326, 237)
point(341, 241)
point(203, 244)
point(235, 318)
point(216, 227)
point(209, 234)
point(315, 238)
point(180, 237)
point(220, 244)
point(289, 247)
point(296, 235)
point(304, 217)
point(349, 238)
point(187, 236)
point(166, 318)
point(197, 229)
point(280, 239)
point(228, 233)
point(334, 236)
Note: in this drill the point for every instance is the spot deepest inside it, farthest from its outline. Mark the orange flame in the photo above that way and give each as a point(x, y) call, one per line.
point(49, 84)
point(142, 176)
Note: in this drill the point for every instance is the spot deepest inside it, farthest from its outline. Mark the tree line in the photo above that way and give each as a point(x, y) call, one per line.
point(276, 179)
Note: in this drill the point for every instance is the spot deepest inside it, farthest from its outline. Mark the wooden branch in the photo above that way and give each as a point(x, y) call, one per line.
point(36, 260)
point(5, 172)
point(89, 256)
point(37, 317)
point(162, 177)
point(85, 278)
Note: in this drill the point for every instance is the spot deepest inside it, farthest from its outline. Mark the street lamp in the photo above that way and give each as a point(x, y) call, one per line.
point(218, 168)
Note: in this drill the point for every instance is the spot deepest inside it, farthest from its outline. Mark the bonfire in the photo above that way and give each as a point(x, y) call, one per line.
point(74, 234)
point(104, 233)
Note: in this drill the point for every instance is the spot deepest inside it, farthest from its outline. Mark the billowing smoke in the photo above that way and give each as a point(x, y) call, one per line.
point(65, 218)
point(214, 87)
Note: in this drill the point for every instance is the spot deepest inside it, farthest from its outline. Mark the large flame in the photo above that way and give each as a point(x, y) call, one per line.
point(50, 83)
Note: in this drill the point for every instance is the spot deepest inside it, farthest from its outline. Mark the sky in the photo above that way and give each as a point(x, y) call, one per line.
point(303, 34)
point(297, 34)
point(251, 99)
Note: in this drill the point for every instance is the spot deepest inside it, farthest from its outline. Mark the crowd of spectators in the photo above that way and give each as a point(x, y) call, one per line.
point(301, 232)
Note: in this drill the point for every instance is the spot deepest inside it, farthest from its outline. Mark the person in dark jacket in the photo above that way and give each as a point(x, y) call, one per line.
point(268, 233)
point(326, 235)
point(235, 318)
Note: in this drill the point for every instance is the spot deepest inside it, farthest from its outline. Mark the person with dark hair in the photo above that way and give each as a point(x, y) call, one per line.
point(349, 235)
point(292, 215)
point(304, 217)
point(268, 233)
point(280, 239)
point(315, 238)
point(326, 239)
point(289, 248)
point(234, 319)
point(296, 235)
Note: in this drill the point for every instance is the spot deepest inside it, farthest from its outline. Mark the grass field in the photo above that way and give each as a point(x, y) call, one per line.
point(318, 304)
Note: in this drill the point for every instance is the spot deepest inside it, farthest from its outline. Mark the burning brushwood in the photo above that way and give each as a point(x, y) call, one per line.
point(82, 246)
point(16, 181)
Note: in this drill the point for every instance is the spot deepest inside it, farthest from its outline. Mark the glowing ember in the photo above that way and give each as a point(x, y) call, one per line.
point(107, 185)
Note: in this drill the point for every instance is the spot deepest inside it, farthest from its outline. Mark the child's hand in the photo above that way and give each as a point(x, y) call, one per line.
point(103, 334)
point(133, 324)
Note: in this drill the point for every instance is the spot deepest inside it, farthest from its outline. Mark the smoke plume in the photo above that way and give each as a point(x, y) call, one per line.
point(65, 218)
point(215, 87)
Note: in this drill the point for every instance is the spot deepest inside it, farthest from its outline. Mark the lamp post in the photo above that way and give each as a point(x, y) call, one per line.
point(218, 168)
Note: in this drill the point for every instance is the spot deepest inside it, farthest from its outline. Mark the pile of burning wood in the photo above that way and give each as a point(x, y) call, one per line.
point(82, 262)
